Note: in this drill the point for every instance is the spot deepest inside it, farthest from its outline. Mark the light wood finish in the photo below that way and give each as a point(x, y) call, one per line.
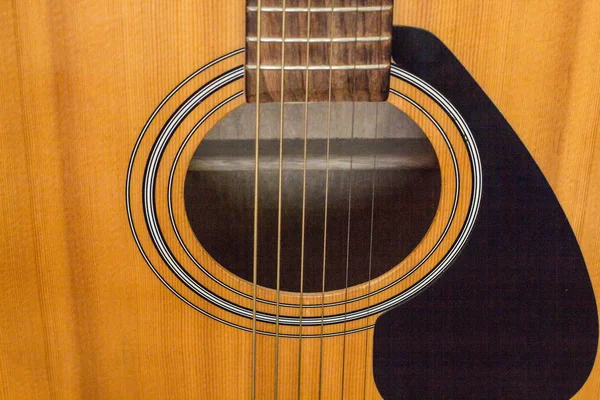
point(425, 247)
point(346, 361)
point(82, 315)
point(352, 20)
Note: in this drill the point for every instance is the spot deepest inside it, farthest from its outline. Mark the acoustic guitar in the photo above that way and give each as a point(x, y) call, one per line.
point(300, 199)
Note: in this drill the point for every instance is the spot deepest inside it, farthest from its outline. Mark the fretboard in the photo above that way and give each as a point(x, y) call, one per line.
point(345, 46)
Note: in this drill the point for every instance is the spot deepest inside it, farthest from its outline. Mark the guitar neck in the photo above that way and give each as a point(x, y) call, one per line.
point(334, 49)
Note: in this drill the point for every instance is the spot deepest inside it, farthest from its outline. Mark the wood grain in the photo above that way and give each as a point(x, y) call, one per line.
point(82, 315)
point(359, 84)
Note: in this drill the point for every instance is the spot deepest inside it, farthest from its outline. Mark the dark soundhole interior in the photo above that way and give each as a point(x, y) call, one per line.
point(219, 193)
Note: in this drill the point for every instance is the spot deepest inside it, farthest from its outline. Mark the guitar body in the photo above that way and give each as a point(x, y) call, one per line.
point(86, 307)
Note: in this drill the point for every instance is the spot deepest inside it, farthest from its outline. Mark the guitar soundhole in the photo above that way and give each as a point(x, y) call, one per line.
point(219, 193)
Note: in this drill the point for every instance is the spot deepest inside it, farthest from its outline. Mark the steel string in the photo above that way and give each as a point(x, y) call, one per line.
point(281, 125)
point(349, 200)
point(329, 97)
point(373, 177)
point(303, 201)
point(255, 235)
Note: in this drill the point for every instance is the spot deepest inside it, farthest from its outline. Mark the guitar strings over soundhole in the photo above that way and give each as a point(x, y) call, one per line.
point(219, 192)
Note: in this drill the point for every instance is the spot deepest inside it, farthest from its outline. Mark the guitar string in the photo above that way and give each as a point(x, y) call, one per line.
point(329, 97)
point(303, 200)
point(281, 125)
point(374, 173)
point(255, 227)
point(349, 199)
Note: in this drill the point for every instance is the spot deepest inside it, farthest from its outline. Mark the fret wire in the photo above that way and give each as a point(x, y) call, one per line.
point(321, 9)
point(320, 67)
point(320, 40)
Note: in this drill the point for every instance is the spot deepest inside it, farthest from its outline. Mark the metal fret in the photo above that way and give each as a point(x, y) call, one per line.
point(321, 9)
point(320, 67)
point(352, 41)
point(321, 40)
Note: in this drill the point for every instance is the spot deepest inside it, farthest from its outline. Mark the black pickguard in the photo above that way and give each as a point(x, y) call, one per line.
point(515, 316)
